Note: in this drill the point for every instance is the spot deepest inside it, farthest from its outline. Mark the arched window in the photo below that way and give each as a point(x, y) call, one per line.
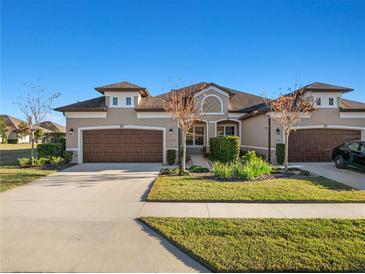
point(212, 104)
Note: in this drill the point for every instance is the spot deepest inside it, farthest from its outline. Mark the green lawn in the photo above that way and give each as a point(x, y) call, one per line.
point(15, 176)
point(268, 245)
point(304, 189)
point(9, 153)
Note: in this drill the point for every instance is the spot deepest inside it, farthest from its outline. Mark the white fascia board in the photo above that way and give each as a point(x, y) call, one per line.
point(153, 115)
point(235, 115)
point(352, 115)
point(212, 88)
point(88, 114)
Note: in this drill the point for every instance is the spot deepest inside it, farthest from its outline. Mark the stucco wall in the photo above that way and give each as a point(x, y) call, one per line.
point(255, 130)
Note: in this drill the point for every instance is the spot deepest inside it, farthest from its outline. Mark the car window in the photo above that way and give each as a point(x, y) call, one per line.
point(362, 148)
point(353, 146)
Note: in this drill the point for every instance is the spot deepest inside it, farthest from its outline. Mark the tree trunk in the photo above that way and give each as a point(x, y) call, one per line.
point(32, 142)
point(183, 164)
point(286, 151)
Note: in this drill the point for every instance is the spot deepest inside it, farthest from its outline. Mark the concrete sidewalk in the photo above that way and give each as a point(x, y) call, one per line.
point(254, 210)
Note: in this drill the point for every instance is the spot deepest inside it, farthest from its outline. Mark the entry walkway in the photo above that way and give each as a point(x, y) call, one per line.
point(254, 210)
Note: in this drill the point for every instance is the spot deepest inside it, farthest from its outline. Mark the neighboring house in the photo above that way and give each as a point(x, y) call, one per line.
point(127, 124)
point(13, 123)
point(50, 126)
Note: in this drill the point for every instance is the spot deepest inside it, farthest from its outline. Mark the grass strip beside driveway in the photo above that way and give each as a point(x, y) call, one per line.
point(268, 245)
point(296, 189)
point(15, 176)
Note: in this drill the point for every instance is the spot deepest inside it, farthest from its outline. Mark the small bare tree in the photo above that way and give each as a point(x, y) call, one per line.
point(288, 111)
point(184, 108)
point(35, 105)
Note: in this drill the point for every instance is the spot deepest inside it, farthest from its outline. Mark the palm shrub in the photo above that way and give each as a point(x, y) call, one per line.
point(25, 161)
point(253, 166)
point(57, 161)
point(223, 171)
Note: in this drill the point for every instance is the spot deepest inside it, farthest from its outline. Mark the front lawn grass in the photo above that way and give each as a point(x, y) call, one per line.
point(15, 176)
point(294, 189)
point(268, 245)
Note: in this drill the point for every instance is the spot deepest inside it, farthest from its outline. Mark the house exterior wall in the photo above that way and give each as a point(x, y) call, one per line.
point(255, 130)
point(127, 117)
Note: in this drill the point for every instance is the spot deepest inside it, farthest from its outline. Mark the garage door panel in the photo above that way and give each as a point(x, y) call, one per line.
point(316, 145)
point(122, 145)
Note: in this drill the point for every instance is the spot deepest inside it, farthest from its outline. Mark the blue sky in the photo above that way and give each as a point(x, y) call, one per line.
point(255, 46)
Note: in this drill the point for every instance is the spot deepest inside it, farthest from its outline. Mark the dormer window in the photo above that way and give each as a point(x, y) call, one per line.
point(128, 101)
point(115, 101)
point(318, 101)
point(331, 101)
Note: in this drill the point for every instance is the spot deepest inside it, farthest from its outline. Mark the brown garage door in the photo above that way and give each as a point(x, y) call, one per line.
point(316, 145)
point(122, 145)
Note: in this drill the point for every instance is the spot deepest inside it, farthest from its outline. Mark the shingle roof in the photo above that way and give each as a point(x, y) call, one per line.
point(123, 86)
point(317, 86)
point(238, 100)
point(351, 106)
point(95, 104)
point(52, 126)
point(11, 122)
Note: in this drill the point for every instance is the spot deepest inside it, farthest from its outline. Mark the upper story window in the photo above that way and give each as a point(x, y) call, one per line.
point(331, 101)
point(115, 101)
point(128, 101)
point(212, 104)
point(318, 101)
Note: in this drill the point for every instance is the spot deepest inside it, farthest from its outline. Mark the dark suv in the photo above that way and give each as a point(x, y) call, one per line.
point(351, 154)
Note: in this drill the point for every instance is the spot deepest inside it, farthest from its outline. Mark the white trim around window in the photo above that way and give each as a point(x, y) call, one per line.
point(82, 129)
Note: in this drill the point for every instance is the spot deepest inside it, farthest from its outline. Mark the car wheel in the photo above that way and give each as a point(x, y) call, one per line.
point(339, 161)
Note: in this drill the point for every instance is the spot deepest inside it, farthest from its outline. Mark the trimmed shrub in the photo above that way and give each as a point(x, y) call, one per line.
point(224, 148)
point(67, 155)
point(50, 150)
point(54, 138)
point(12, 141)
point(280, 153)
point(223, 171)
point(198, 169)
point(57, 161)
point(171, 156)
point(23, 162)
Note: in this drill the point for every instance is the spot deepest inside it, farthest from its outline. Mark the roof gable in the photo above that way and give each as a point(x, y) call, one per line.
point(123, 86)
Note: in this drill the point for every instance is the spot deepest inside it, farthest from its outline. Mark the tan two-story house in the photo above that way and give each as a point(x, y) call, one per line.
point(127, 124)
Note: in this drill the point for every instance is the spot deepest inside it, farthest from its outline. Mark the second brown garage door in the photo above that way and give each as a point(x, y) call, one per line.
point(122, 145)
point(316, 145)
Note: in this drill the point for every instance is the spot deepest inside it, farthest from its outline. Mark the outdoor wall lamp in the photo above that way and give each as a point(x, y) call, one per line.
point(170, 131)
point(278, 131)
point(71, 131)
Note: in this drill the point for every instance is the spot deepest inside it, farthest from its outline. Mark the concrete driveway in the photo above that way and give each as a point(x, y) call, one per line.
point(348, 177)
point(83, 220)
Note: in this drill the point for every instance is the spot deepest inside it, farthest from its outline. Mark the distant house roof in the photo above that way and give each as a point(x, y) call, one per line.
point(123, 86)
point(11, 122)
point(52, 126)
point(95, 104)
point(351, 106)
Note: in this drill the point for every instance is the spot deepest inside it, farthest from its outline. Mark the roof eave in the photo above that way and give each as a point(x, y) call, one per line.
point(351, 110)
point(143, 91)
